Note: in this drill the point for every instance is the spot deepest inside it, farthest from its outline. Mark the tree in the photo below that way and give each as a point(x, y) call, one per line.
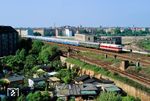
point(44, 55)
point(20, 55)
point(10, 61)
point(30, 61)
point(59, 99)
point(83, 31)
point(130, 98)
point(117, 30)
point(147, 31)
point(34, 69)
point(25, 43)
point(45, 96)
point(56, 65)
point(21, 98)
point(4, 83)
point(55, 50)
point(66, 75)
point(36, 46)
point(34, 96)
point(66, 79)
point(109, 96)
point(37, 34)
point(127, 32)
point(100, 32)
point(49, 33)
point(48, 53)
point(38, 96)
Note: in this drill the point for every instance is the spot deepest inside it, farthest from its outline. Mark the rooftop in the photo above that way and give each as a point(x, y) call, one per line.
point(76, 89)
point(92, 80)
point(38, 79)
point(52, 73)
point(110, 87)
point(82, 78)
point(15, 78)
point(7, 29)
point(54, 79)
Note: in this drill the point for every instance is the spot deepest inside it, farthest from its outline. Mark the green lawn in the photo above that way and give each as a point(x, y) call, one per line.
point(100, 57)
point(145, 44)
point(146, 70)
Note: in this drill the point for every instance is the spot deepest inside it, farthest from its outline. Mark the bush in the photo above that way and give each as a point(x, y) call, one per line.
point(130, 98)
point(109, 96)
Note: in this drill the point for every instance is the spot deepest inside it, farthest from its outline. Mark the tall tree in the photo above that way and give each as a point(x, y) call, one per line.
point(48, 53)
point(117, 30)
point(25, 43)
point(36, 46)
point(22, 55)
point(30, 61)
point(66, 75)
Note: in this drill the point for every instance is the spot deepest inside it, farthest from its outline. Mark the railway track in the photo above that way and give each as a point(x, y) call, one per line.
point(137, 78)
point(145, 61)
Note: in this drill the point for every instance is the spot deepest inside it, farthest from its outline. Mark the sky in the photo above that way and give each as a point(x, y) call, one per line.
point(93, 13)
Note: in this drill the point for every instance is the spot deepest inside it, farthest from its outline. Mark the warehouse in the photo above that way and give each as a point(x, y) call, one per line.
point(8, 40)
point(84, 37)
point(110, 39)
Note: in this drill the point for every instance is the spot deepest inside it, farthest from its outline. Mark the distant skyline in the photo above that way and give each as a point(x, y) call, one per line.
point(93, 13)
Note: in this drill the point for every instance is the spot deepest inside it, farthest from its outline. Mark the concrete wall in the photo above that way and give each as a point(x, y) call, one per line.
point(84, 37)
point(127, 88)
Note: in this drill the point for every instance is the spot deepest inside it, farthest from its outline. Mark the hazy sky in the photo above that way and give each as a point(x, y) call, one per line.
point(44, 13)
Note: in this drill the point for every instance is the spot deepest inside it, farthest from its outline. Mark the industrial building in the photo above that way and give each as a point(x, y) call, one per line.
point(24, 32)
point(84, 37)
point(8, 40)
point(110, 40)
point(67, 32)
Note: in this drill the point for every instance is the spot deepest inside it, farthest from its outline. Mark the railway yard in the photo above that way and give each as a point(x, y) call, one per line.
point(109, 56)
point(98, 58)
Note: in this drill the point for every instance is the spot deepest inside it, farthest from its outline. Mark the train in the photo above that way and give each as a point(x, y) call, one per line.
point(103, 46)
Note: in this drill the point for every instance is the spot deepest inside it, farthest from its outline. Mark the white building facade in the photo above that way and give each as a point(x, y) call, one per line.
point(24, 32)
point(67, 32)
